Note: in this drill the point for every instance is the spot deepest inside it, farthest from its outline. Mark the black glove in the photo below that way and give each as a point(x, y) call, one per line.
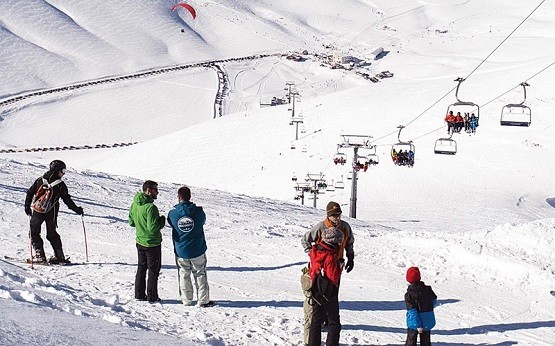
point(162, 219)
point(79, 210)
point(350, 263)
point(28, 210)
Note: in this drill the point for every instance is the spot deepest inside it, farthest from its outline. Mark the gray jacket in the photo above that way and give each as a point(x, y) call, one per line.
point(313, 236)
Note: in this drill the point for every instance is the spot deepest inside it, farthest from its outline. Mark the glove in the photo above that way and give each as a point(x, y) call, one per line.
point(162, 219)
point(420, 330)
point(79, 210)
point(350, 263)
point(28, 210)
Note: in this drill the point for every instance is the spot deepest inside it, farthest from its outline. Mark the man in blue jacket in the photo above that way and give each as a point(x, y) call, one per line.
point(187, 222)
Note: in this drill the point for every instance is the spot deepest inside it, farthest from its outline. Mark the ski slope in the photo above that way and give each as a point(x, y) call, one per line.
point(479, 224)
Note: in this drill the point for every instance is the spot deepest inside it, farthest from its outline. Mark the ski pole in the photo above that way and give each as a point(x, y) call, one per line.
point(31, 243)
point(85, 233)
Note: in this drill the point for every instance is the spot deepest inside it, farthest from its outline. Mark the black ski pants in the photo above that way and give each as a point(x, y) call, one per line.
point(319, 315)
point(412, 335)
point(51, 235)
point(149, 258)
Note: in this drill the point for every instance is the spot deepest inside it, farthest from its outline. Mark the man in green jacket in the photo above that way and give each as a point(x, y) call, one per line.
point(144, 216)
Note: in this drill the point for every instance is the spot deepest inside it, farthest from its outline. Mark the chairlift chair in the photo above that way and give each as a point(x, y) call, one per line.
point(331, 187)
point(463, 106)
point(517, 114)
point(405, 147)
point(339, 158)
point(446, 146)
point(340, 185)
point(361, 163)
point(373, 158)
point(293, 146)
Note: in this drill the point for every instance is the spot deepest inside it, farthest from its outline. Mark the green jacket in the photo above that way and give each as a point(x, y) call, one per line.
point(144, 216)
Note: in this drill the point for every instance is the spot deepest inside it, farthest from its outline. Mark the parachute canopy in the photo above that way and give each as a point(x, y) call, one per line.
point(187, 7)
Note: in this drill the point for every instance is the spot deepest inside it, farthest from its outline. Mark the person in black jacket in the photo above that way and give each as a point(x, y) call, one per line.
point(51, 180)
point(420, 301)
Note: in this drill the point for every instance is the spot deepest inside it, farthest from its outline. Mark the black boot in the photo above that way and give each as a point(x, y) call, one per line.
point(59, 257)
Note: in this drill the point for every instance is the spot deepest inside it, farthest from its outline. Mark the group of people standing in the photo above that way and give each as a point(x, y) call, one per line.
point(455, 123)
point(185, 218)
point(327, 244)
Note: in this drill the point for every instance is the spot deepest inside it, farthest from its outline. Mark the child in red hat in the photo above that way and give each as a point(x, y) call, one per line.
point(420, 301)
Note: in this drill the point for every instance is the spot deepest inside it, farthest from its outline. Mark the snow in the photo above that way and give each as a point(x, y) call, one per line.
point(480, 224)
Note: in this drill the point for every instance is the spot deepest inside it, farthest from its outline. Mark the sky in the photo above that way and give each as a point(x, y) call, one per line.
point(479, 224)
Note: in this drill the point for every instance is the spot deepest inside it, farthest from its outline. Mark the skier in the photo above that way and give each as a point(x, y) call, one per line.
point(473, 124)
point(333, 219)
point(51, 182)
point(325, 273)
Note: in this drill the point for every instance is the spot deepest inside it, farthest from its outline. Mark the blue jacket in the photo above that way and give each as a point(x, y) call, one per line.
point(420, 301)
point(187, 222)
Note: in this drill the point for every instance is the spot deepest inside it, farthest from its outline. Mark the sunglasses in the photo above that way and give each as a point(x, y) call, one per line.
point(335, 215)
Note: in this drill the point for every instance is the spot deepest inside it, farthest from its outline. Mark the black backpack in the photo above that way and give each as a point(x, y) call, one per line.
point(323, 290)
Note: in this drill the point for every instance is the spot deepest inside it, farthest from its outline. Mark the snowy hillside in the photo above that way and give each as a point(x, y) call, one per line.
point(479, 224)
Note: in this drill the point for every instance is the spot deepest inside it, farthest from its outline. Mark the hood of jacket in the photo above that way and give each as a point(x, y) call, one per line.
point(185, 208)
point(142, 198)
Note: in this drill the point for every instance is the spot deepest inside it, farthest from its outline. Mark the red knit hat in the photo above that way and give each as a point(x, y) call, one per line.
point(413, 275)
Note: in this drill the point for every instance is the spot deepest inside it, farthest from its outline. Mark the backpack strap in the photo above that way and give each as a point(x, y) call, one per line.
point(52, 184)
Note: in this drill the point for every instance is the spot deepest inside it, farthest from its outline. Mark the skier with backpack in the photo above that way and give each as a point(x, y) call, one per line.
point(325, 273)
point(344, 249)
point(42, 205)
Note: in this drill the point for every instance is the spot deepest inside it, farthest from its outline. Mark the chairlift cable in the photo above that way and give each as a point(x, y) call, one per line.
point(508, 91)
point(505, 39)
point(476, 68)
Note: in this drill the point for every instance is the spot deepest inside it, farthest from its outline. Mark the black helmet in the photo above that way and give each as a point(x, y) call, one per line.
point(57, 165)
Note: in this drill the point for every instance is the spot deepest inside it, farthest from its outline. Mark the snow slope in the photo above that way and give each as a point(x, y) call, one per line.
point(479, 224)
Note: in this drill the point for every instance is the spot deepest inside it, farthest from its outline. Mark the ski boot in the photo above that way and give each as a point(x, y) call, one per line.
point(58, 258)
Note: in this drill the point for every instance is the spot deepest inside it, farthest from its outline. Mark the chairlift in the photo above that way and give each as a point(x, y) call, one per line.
point(446, 146)
point(340, 185)
point(361, 163)
point(517, 114)
point(373, 158)
point(293, 147)
point(294, 178)
point(339, 158)
point(304, 149)
point(322, 185)
point(403, 147)
point(331, 187)
point(460, 108)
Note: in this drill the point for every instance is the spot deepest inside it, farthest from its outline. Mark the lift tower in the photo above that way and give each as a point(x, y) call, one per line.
point(355, 142)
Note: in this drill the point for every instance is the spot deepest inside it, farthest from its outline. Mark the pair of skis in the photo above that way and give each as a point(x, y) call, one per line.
point(47, 263)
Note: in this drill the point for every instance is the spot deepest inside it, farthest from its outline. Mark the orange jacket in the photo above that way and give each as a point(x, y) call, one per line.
point(450, 118)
